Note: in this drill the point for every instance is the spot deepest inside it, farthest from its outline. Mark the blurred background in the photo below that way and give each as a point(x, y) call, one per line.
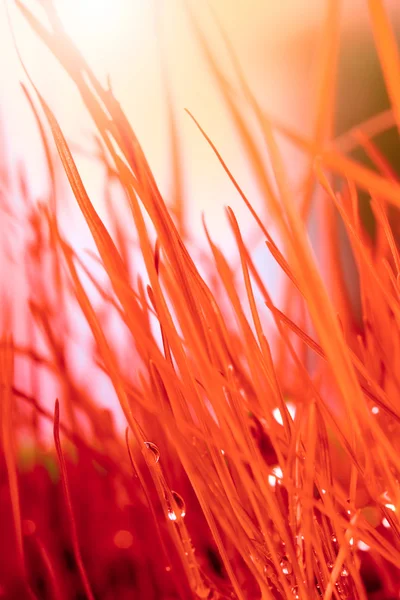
point(276, 42)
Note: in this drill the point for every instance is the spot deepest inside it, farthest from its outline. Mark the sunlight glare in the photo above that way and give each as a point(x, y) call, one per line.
point(93, 18)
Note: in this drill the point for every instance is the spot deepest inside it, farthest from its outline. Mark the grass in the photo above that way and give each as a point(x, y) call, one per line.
point(261, 455)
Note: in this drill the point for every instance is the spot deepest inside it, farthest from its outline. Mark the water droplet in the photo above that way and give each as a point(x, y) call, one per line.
point(375, 410)
point(180, 503)
point(277, 471)
point(330, 566)
point(173, 514)
point(295, 592)
point(154, 451)
point(385, 523)
point(286, 566)
point(387, 501)
point(363, 546)
point(334, 539)
point(268, 570)
point(385, 497)
point(28, 527)
point(345, 573)
point(204, 592)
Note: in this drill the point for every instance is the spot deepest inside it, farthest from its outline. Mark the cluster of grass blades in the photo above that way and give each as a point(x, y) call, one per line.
point(261, 453)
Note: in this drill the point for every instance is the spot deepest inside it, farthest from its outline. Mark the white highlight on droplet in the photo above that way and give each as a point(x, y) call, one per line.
point(363, 546)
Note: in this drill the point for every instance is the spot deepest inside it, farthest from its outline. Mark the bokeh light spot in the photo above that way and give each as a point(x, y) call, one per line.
point(123, 539)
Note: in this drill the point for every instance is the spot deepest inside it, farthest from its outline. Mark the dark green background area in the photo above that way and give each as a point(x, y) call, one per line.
point(361, 94)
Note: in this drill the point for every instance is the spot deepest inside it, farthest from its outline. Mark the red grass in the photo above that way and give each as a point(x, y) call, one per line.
point(219, 490)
